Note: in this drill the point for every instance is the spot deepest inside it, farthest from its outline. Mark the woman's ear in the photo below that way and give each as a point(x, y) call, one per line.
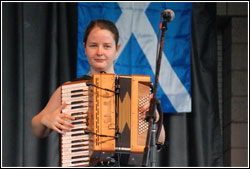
point(118, 49)
point(84, 45)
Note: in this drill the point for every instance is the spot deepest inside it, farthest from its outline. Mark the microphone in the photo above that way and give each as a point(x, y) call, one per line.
point(168, 14)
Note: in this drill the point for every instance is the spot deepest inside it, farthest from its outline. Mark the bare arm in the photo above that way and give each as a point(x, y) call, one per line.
point(161, 138)
point(50, 118)
point(145, 108)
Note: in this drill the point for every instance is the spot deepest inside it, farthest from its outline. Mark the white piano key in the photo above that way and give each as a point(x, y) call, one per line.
point(69, 100)
point(70, 149)
point(70, 155)
point(79, 96)
point(75, 90)
point(71, 133)
point(83, 153)
point(83, 109)
point(75, 160)
point(76, 165)
point(66, 139)
point(71, 107)
point(84, 162)
point(74, 85)
point(75, 96)
point(76, 144)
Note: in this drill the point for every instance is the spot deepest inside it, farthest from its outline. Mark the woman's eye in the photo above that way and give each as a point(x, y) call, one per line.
point(107, 46)
point(93, 45)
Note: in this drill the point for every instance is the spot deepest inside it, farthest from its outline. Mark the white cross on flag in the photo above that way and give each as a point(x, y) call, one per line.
point(138, 25)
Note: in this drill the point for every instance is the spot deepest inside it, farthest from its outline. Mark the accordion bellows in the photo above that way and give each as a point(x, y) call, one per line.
point(107, 116)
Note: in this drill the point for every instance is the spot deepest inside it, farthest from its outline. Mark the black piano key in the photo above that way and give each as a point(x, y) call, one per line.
point(79, 145)
point(79, 118)
point(78, 95)
point(76, 162)
point(78, 122)
point(77, 107)
point(79, 150)
point(75, 91)
point(77, 113)
point(79, 141)
point(77, 102)
point(81, 156)
point(78, 134)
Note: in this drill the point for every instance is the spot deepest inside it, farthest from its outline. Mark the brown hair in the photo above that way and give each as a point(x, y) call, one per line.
point(103, 24)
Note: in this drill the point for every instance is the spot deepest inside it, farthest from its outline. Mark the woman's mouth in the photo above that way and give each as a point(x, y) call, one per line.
point(99, 60)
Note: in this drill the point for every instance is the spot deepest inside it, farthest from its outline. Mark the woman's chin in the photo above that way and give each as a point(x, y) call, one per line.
point(100, 69)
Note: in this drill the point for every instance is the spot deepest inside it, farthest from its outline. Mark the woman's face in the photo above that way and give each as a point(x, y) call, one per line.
point(101, 50)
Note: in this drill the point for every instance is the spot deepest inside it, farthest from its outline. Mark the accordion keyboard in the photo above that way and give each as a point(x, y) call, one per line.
point(75, 144)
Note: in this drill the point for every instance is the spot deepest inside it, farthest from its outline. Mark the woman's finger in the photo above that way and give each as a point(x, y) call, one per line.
point(150, 96)
point(58, 130)
point(145, 107)
point(62, 127)
point(67, 117)
point(65, 123)
point(62, 106)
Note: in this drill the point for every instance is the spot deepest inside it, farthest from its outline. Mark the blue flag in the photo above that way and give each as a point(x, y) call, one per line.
point(138, 25)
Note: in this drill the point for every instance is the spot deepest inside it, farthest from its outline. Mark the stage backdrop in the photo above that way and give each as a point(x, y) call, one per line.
point(39, 53)
point(138, 25)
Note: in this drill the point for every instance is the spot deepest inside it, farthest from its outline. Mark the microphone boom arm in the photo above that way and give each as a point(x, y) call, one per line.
point(150, 148)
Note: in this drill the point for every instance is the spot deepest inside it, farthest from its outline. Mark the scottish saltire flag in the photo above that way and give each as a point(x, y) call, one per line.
point(138, 24)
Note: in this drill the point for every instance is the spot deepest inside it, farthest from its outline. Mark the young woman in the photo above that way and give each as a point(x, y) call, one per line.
point(101, 47)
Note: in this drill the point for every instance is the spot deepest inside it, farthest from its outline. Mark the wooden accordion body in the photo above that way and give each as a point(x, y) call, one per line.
point(107, 116)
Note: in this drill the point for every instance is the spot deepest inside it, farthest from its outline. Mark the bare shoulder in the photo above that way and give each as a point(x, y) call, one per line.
point(54, 101)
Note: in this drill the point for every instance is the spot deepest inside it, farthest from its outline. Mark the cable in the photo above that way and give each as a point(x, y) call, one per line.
point(90, 84)
point(100, 135)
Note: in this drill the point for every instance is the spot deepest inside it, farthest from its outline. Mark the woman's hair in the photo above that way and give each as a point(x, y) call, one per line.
point(103, 24)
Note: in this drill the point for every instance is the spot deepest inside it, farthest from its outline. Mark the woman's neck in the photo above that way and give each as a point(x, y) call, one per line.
point(93, 71)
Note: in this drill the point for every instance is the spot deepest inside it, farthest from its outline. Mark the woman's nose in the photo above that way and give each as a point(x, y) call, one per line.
point(99, 50)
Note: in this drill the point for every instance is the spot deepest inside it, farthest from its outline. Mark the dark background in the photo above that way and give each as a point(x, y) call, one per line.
point(39, 42)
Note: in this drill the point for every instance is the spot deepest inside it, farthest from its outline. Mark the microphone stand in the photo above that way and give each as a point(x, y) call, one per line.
point(150, 149)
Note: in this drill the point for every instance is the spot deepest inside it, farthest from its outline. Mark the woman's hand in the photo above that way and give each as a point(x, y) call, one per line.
point(145, 109)
point(142, 115)
point(58, 121)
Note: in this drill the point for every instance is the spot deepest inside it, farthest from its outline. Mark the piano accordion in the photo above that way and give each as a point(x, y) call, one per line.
point(107, 116)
